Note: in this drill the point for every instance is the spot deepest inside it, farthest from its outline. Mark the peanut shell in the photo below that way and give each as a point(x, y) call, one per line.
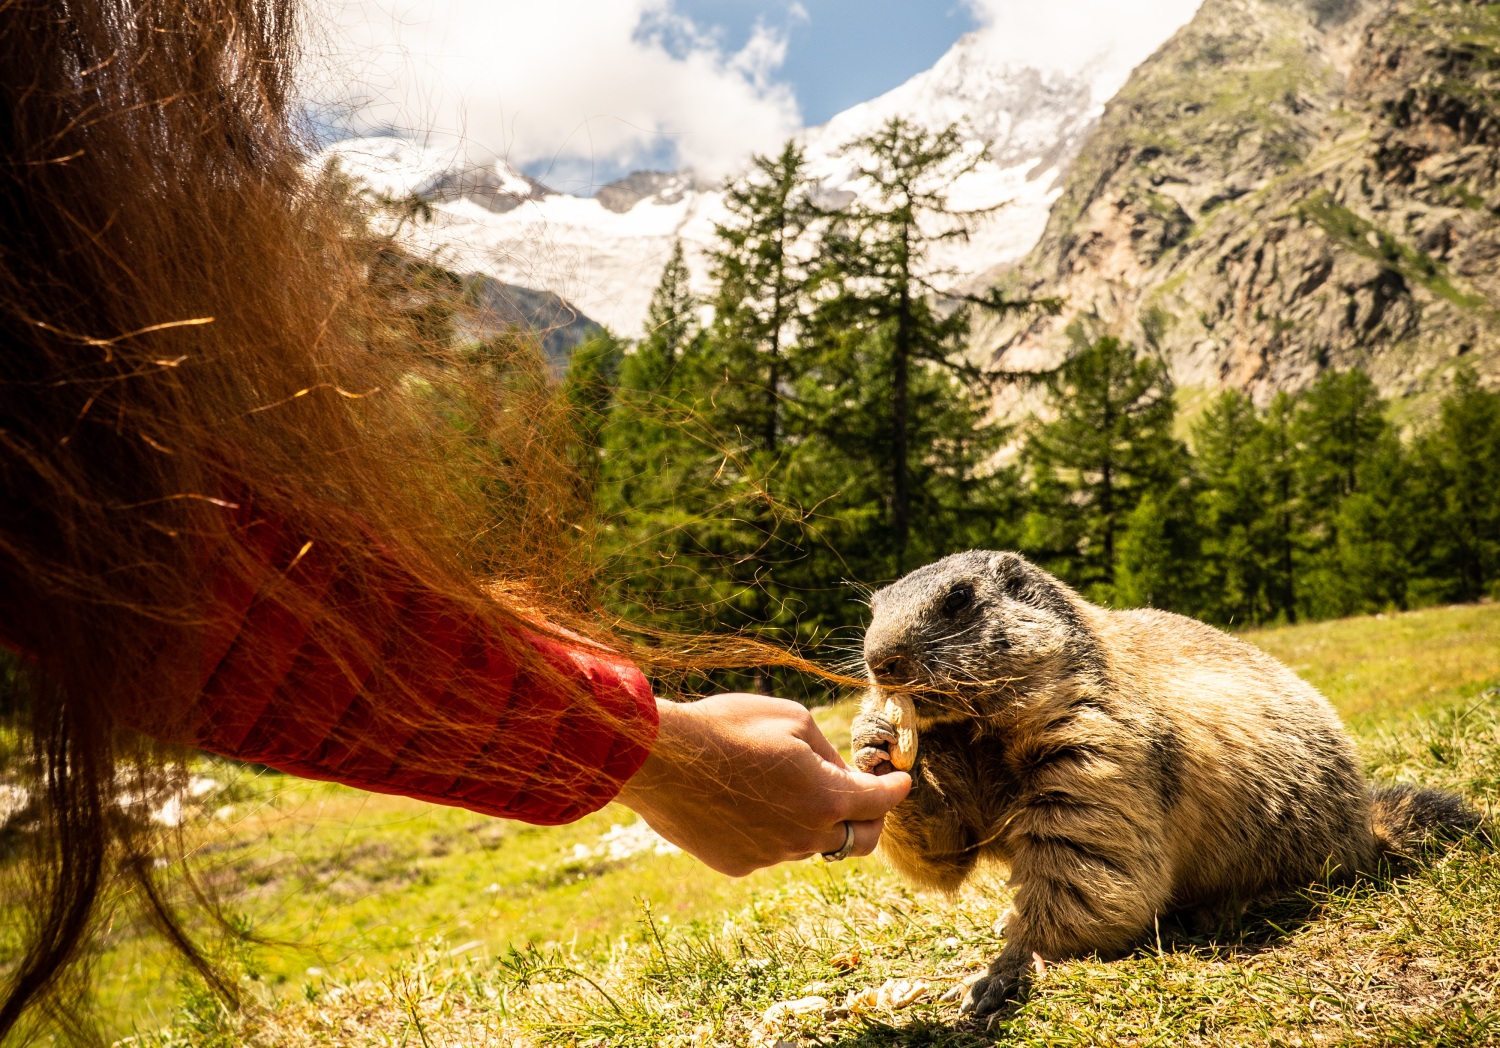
point(902, 714)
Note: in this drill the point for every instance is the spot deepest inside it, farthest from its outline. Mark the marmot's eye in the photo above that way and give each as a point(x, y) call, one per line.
point(958, 598)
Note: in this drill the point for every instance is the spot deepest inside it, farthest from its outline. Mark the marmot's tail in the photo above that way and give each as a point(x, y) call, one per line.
point(1406, 818)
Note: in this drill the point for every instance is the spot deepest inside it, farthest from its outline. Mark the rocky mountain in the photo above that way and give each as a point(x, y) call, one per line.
point(498, 307)
point(1287, 186)
point(605, 253)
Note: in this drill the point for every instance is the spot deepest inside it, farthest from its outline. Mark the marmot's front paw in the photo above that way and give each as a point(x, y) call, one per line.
point(887, 724)
point(873, 736)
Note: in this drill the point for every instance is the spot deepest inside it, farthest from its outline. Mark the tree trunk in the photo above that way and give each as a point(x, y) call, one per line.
point(900, 479)
point(1107, 480)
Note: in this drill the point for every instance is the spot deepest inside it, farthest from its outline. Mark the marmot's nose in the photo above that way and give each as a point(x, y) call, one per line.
point(892, 667)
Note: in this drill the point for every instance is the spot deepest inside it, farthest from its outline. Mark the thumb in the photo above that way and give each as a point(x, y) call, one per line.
point(868, 797)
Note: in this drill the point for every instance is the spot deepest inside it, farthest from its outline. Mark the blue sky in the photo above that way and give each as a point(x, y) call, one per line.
point(580, 92)
point(842, 52)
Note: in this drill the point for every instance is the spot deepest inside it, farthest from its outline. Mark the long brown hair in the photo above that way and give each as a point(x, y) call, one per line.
point(188, 323)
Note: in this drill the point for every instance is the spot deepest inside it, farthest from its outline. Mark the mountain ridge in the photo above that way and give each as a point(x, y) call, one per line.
point(604, 253)
point(1284, 187)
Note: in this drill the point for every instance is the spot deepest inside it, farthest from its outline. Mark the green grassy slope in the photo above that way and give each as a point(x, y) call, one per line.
point(404, 915)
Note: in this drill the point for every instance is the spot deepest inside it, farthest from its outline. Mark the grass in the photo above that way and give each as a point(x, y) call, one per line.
point(1384, 669)
point(421, 926)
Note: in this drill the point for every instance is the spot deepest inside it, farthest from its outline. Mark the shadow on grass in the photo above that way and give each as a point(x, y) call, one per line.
point(1230, 934)
point(1261, 926)
point(1269, 922)
point(1234, 934)
point(922, 1033)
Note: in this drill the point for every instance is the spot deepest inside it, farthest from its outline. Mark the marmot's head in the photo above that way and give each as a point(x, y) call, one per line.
point(969, 631)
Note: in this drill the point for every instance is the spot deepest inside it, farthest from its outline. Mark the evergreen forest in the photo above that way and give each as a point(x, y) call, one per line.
point(812, 429)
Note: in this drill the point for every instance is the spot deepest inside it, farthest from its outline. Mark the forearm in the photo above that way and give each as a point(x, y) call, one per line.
point(338, 665)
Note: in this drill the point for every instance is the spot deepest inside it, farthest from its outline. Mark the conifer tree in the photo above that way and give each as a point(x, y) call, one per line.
point(765, 273)
point(1379, 534)
point(1233, 510)
point(1283, 524)
point(589, 386)
point(1339, 423)
point(702, 431)
point(672, 331)
point(765, 270)
point(657, 486)
point(1340, 419)
point(1160, 553)
point(1110, 446)
point(1457, 496)
point(899, 398)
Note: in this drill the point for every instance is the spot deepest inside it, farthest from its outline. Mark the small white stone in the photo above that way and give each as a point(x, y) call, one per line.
point(801, 1006)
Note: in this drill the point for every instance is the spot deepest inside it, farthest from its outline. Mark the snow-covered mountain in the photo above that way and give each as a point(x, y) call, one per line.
point(605, 253)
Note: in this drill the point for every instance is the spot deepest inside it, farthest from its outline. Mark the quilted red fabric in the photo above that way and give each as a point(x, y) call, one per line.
point(443, 714)
point(505, 742)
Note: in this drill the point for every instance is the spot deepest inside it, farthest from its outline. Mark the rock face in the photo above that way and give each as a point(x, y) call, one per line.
point(665, 187)
point(1287, 186)
point(499, 307)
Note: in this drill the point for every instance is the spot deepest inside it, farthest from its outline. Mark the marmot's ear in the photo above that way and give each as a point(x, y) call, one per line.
point(1007, 564)
point(1013, 572)
point(1001, 563)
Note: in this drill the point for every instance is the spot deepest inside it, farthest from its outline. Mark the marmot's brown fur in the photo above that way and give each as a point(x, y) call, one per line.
point(1122, 764)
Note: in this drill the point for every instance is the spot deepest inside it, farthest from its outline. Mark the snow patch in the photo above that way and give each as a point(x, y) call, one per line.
point(607, 260)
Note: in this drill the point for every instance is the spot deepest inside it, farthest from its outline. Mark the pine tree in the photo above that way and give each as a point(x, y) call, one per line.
point(1160, 553)
point(648, 443)
point(672, 331)
point(897, 394)
point(1110, 445)
point(765, 269)
point(1233, 510)
point(1379, 533)
point(1339, 424)
point(1283, 524)
point(657, 486)
point(1457, 500)
point(1340, 420)
point(700, 438)
point(844, 466)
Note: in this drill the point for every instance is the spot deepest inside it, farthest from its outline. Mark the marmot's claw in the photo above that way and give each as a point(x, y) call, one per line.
point(989, 995)
point(874, 738)
point(873, 760)
point(872, 731)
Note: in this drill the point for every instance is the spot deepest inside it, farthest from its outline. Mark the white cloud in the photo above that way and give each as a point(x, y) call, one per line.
point(1106, 38)
point(626, 82)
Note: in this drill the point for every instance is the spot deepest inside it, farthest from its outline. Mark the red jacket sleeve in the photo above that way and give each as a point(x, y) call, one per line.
point(423, 699)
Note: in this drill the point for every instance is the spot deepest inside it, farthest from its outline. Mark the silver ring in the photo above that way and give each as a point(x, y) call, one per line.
point(844, 852)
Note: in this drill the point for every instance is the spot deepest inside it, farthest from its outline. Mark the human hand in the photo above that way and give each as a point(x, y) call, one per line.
point(745, 781)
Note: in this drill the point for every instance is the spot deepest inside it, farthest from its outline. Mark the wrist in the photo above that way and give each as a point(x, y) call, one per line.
point(656, 768)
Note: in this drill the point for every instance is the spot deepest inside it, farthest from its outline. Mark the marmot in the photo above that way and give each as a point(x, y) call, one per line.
point(1122, 764)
